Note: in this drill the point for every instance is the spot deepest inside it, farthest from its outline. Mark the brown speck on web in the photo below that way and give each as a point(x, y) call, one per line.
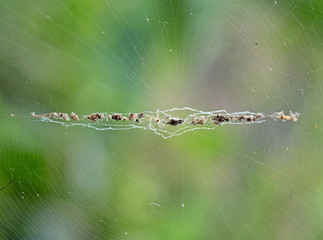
point(116, 117)
point(175, 122)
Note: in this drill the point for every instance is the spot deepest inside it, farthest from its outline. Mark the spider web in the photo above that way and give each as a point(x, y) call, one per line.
point(250, 181)
point(162, 122)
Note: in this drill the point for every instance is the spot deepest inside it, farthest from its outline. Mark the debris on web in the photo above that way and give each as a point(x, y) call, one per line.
point(167, 123)
point(291, 117)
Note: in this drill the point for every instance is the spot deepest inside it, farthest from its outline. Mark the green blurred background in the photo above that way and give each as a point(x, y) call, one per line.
point(258, 181)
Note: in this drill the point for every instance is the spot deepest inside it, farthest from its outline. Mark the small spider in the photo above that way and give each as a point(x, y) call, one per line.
point(160, 122)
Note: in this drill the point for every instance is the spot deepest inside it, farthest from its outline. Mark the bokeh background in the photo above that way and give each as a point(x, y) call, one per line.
point(257, 181)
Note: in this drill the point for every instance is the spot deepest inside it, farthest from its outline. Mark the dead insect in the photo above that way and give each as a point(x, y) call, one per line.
point(242, 117)
point(219, 119)
point(259, 116)
point(40, 116)
point(202, 120)
point(116, 117)
point(55, 115)
point(194, 120)
point(51, 115)
point(175, 122)
point(132, 116)
point(64, 116)
point(198, 120)
point(292, 116)
point(94, 117)
point(74, 117)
